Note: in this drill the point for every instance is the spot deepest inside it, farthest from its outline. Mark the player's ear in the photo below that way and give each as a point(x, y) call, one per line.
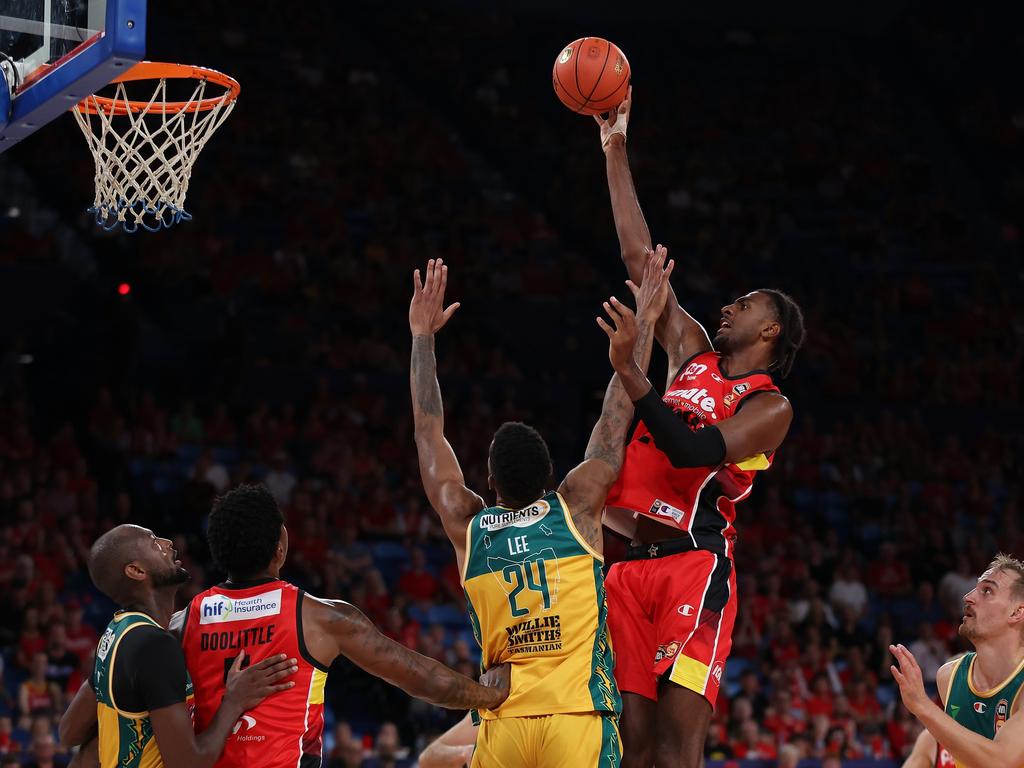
point(134, 571)
point(771, 330)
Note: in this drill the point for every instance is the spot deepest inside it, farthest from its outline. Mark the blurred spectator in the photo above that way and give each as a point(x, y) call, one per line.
point(38, 695)
point(388, 751)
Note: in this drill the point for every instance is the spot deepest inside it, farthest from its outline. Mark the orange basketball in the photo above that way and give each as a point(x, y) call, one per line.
point(591, 76)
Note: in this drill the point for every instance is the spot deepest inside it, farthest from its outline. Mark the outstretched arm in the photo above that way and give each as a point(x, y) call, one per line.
point(630, 342)
point(442, 476)
point(338, 628)
point(970, 749)
point(678, 333)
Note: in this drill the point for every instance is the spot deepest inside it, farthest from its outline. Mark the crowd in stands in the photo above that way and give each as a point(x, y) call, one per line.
point(265, 341)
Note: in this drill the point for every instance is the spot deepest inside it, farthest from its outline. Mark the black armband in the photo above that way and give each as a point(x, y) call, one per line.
point(682, 446)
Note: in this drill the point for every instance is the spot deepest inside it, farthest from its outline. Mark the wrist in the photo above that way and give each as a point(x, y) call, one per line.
point(616, 141)
point(634, 381)
point(231, 706)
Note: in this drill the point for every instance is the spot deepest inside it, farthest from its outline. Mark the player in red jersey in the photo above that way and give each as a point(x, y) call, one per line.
point(256, 612)
point(672, 602)
point(928, 754)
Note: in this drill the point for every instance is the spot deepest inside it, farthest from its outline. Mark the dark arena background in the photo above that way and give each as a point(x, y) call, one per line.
point(864, 157)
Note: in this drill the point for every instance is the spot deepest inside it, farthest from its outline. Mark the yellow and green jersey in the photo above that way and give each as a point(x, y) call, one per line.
point(536, 600)
point(126, 737)
point(983, 712)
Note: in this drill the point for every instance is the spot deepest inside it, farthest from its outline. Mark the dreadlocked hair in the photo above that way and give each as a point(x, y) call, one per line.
point(791, 338)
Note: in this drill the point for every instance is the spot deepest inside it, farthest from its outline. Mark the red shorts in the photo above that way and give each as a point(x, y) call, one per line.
point(672, 615)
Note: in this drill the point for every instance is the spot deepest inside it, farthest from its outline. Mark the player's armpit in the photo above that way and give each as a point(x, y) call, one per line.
point(78, 724)
point(760, 427)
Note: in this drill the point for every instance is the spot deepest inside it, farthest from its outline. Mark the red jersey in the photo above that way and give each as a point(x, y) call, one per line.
point(942, 758)
point(263, 619)
point(698, 500)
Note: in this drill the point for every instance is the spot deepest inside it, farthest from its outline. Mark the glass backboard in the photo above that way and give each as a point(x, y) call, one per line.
point(53, 53)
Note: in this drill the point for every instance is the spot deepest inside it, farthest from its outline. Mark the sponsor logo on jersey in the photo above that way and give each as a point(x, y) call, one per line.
point(106, 642)
point(980, 707)
point(518, 518)
point(729, 400)
point(539, 635)
point(694, 396)
point(217, 609)
point(661, 509)
point(666, 651)
point(739, 389)
point(246, 724)
point(693, 370)
point(717, 671)
point(1002, 712)
point(954, 710)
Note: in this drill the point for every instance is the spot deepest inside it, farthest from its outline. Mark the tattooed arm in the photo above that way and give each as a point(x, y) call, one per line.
point(631, 339)
point(335, 628)
point(439, 468)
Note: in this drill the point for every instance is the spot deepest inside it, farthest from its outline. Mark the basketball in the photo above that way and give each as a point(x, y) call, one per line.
point(591, 76)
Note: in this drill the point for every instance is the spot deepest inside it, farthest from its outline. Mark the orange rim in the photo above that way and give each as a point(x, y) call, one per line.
point(152, 70)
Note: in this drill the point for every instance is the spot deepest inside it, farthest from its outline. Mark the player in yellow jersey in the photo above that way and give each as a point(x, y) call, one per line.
point(531, 564)
point(979, 723)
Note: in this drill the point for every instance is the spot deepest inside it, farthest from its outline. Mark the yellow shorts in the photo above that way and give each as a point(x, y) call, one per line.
point(580, 740)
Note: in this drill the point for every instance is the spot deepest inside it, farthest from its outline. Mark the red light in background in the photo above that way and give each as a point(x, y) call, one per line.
point(124, 289)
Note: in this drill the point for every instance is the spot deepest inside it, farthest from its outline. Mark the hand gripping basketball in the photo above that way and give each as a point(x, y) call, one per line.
point(617, 122)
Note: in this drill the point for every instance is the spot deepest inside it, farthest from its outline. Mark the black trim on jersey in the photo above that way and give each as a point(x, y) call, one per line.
point(303, 650)
point(755, 393)
point(245, 583)
point(310, 760)
point(743, 375)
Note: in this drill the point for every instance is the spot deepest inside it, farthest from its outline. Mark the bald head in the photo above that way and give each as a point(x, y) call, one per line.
point(108, 557)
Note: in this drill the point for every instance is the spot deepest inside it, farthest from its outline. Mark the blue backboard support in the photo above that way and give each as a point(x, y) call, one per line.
point(79, 73)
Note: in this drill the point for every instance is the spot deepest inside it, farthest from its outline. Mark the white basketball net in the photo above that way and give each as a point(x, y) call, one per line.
point(144, 158)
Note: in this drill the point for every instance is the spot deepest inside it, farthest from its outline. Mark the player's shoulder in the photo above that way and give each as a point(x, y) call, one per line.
point(945, 674)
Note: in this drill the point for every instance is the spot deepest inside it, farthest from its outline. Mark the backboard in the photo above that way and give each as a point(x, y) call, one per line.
point(53, 53)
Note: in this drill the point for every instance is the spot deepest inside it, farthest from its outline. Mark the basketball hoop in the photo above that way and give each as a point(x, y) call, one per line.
point(145, 150)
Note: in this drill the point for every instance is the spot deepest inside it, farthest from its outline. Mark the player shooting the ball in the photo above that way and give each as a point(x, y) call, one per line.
point(692, 458)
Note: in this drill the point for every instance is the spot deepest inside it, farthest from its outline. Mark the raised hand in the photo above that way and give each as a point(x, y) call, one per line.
point(911, 682)
point(613, 127)
point(427, 314)
point(653, 292)
point(622, 334)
